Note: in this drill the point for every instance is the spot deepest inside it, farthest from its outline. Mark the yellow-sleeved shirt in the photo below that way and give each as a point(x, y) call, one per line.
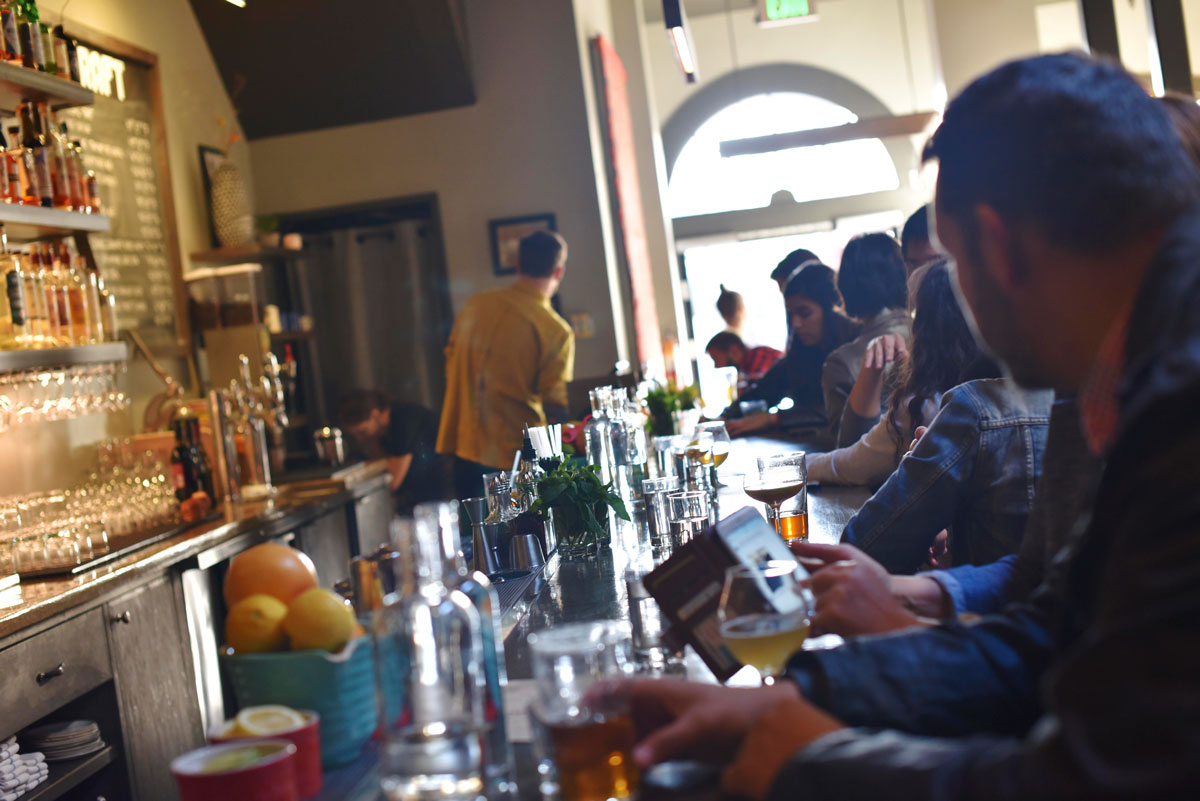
point(509, 354)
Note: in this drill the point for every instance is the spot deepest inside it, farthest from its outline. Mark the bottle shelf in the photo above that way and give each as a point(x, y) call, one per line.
point(243, 254)
point(31, 223)
point(19, 83)
point(15, 361)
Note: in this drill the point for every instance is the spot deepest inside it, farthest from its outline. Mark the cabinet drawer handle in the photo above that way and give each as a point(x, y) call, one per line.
point(125, 617)
point(46, 676)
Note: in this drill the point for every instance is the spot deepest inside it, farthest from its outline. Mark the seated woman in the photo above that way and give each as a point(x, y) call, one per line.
point(873, 283)
point(818, 328)
point(973, 473)
point(944, 355)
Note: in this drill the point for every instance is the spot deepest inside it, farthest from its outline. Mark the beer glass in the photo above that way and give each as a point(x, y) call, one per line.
point(585, 741)
point(720, 445)
point(777, 479)
point(764, 614)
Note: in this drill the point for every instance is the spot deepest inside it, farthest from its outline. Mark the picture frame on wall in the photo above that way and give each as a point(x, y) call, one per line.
point(210, 159)
point(506, 235)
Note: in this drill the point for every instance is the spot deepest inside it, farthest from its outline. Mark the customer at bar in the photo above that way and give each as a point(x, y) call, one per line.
point(508, 362)
point(727, 349)
point(791, 265)
point(818, 328)
point(1059, 178)
point(915, 243)
point(403, 434)
point(944, 354)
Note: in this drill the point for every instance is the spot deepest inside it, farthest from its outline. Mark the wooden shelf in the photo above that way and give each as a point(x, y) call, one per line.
point(12, 361)
point(18, 83)
point(30, 223)
point(243, 254)
point(66, 776)
point(294, 336)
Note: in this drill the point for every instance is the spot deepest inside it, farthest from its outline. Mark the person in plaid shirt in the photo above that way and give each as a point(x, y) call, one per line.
point(727, 349)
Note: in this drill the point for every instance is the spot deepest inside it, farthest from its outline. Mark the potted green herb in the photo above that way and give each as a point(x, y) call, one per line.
point(580, 503)
point(662, 404)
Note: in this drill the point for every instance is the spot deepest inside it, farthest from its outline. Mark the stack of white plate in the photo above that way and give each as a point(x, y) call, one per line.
point(67, 740)
point(19, 773)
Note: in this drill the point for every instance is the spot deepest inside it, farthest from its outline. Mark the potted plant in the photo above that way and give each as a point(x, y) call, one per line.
point(580, 503)
point(662, 404)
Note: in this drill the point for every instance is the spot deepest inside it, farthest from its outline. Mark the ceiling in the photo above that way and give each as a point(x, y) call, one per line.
point(301, 65)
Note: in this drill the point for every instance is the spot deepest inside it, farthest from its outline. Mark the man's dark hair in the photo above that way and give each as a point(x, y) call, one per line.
point(792, 262)
point(872, 276)
point(539, 254)
point(916, 229)
point(723, 341)
point(357, 405)
point(817, 283)
point(1068, 143)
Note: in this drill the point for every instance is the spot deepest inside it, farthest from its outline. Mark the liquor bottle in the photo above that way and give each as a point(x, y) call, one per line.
point(288, 378)
point(529, 473)
point(597, 446)
point(91, 286)
point(60, 192)
point(48, 49)
point(83, 326)
point(12, 39)
point(53, 334)
point(477, 587)
point(12, 172)
point(36, 312)
point(56, 293)
point(92, 192)
point(66, 55)
point(108, 311)
point(5, 176)
point(204, 473)
point(14, 328)
point(37, 157)
point(183, 471)
point(74, 170)
point(29, 29)
point(17, 163)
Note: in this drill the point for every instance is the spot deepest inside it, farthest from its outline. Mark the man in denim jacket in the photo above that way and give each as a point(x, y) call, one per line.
point(1071, 210)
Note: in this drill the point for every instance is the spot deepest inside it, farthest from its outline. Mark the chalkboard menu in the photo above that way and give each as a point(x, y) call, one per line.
point(118, 136)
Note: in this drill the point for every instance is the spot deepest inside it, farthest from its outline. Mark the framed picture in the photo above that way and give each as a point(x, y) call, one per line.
point(506, 235)
point(210, 159)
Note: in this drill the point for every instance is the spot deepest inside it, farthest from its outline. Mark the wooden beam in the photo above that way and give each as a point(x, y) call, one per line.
point(875, 128)
point(1167, 29)
point(1100, 27)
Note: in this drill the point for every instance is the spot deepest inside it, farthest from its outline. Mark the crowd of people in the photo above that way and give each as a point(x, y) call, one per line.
point(1046, 433)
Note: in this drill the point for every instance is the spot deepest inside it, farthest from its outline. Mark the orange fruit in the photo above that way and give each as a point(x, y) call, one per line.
point(269, 569)
point(255, 625)
point(319, 619)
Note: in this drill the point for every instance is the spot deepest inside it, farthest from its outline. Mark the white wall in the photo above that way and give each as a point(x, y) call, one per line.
point(524, 147)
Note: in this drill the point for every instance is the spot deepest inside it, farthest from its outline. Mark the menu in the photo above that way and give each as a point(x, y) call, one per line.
point(118, 134)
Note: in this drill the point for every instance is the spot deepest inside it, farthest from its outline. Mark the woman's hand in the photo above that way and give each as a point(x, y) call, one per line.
point(883, 350)
point(866, 396)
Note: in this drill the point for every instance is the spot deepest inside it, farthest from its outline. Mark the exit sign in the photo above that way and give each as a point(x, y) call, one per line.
point(785, 12)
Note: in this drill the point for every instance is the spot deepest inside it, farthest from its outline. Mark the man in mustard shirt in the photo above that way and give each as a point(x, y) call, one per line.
point(508, 362)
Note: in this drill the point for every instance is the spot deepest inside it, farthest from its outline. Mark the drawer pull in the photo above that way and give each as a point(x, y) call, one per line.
point(125, 617)
point(46, 676)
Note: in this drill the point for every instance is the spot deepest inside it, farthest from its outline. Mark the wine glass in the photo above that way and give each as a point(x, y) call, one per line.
point(764, 614)
point(720, 445)
point(777, 479)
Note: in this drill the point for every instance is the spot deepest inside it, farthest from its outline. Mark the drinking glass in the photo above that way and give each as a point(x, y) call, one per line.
point(688, 512)
point(699, 460)
point(777, 479)
point(585, 741)
point(648, 625)
point(655, 492)
point(764, 614)
point(662, 453)
point(720, 445)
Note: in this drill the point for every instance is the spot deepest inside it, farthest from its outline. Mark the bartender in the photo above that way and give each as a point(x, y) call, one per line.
point(403, 434)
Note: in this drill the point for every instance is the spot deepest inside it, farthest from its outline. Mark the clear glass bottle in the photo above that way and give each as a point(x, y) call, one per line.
point(50, 291)
point(434, 748)
point(497, 756)
point(109, 329)
point(84, 323)
point(36, 309)
point(62, 294)
point(12, 40)
point(597, 446)
point(58, 145)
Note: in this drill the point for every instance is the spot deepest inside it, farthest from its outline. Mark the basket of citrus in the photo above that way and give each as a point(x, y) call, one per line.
point(292, 643)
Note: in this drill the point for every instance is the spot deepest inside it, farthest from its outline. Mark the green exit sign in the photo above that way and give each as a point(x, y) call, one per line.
point(782, 12)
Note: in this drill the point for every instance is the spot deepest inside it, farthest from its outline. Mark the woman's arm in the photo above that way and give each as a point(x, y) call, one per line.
point(868, 462)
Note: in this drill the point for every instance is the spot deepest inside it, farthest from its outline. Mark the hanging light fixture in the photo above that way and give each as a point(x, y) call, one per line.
point(681, 38)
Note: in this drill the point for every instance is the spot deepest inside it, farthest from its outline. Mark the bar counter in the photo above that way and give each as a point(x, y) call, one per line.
point(578, 591)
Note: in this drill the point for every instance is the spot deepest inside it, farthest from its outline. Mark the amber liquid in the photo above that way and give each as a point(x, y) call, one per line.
point(764, 641)
point(699, 456)
point(719, 457)
point(794, 526)
point(773, 493)
point(595, 758)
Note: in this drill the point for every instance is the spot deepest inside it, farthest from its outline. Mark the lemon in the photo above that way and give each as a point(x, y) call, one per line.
point(264, 721)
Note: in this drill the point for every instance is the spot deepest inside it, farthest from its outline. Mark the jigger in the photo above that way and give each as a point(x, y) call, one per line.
point(526, 552)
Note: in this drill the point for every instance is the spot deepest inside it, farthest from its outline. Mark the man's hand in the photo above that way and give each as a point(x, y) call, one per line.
point(681, 720)
point(883, 350)
point(753, 422)
point(786, 728)
point(853, 592)
point(917, 434)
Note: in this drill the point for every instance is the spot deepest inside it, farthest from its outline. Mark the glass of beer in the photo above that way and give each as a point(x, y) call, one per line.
point(777, 479)
point(764, 614)
point(720, 445)
point(585, 740)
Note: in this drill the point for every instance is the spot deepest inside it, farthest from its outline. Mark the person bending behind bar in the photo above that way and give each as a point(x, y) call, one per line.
point(1059, 178)
point(508, 362)
point(727, 349)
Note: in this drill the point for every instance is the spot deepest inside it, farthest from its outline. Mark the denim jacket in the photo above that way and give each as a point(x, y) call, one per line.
point(973, 473)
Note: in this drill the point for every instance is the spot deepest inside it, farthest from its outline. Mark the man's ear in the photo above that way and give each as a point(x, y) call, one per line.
point(999, 251)
point(559, 272)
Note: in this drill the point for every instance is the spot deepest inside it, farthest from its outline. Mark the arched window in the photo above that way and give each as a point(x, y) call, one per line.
point(704, 182)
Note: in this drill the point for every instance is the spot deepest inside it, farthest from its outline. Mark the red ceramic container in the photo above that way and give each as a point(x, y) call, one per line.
point(270, 777)
point(306, 738)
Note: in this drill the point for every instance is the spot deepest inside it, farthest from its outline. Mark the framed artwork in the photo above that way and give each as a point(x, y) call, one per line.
point(210, 159)
point(506, 235)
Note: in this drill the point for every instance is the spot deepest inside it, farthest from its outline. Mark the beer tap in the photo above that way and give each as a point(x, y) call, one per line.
point(266, 397)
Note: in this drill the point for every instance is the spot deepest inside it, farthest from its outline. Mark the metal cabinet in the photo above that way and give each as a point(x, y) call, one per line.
point(326, 540)
point(156, 691)
point(372, 519)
